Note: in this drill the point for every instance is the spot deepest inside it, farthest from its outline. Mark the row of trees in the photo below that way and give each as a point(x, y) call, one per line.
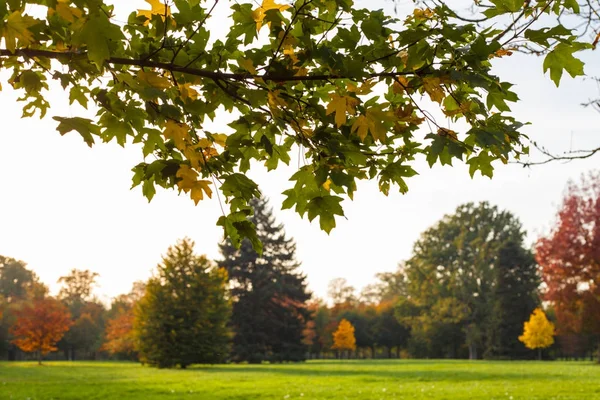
point(74, 319)
point(190, 311)
point(467, 291)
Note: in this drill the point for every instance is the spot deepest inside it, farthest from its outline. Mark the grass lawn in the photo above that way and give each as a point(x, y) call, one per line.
point(412, 379)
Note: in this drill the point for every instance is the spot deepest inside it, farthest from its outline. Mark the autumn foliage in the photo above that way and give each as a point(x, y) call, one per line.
point(343, 337)
point(120, 338)
point(570, 259)
point(538, 332)
point(40, 325)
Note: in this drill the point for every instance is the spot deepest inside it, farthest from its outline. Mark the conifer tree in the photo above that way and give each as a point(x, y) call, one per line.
point(269, 293)
point(182, 317)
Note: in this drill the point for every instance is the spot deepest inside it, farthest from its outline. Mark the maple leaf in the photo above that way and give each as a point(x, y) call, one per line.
point(501, 53)
point(220, 139)
point(400, 85)
point(157, 8)
point(365, 88)
point(153, 79)
point(419, 13)
point(179, 133)
point(248, 65)
point(259, 13)
point(66, 12)
point(361, 127)
point(447, 133)
point(372, 121)
point(340, 105)
point(194, 156)
point(433, 87)
point(189, 183)
point(188, 92)
point(17, 27)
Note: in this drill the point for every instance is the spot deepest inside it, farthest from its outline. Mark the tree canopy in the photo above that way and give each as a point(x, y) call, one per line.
point(354, 91)
point(460, 276)
point(538, 332)
point(570, 259)
point(182, 317)
point(269, 293)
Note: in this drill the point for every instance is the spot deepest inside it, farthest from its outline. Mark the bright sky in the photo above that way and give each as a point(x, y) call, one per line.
point(65, 206)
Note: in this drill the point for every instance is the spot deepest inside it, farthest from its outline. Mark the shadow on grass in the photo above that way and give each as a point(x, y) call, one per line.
point(410, 373)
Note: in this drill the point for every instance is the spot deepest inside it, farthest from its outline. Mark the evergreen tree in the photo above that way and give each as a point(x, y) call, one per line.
point(515, 296)
point(182, 317)
point(269, 294)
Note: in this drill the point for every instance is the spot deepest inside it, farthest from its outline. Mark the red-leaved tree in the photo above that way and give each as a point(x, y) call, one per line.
point(40, 325)
point(570, 259)
point(120, 338)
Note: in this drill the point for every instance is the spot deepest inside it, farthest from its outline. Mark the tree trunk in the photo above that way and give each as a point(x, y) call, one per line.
point(472, 352)
point(397, 351)
point(539, 354)
point(389, 349)
point(598, 354)
point(39, 357)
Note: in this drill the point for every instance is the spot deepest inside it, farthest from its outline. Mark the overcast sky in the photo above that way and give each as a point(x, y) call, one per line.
point(64, 206)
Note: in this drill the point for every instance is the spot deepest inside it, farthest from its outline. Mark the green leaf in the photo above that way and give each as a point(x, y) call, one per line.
point(326, 207)
point(85, 127)
point(561, 58)
point(505, 6)
point(481, 163)
point(98, 34)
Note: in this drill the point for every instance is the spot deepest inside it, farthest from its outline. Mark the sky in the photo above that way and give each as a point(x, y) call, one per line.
point(64, 205)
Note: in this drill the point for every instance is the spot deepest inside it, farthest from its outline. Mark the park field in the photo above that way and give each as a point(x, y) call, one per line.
point(411, 379)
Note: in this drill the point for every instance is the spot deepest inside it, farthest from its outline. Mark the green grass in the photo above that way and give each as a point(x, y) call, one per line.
point(370, 380)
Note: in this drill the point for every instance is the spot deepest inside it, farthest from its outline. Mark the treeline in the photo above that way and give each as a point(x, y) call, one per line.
point(466, 292)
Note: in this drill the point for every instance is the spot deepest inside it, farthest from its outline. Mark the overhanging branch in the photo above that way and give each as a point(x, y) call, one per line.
point(32, 53)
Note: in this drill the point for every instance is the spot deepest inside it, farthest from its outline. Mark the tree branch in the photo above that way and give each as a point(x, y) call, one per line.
point(201, 72)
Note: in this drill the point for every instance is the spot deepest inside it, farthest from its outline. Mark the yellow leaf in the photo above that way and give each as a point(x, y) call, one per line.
point(400, 85)
point(327, 185)
point(502, 53)
point(204, 143)
point(189, 183)
point(179, 133)
point(153, 79)
point(361, 127)
point(188, 176)
point(372, 122)
point(199, 187)
point(188, 92)
point(157, 8)
point(60, 46)
point(274, 99)
point(248, 65)
point(340, 105)
point(17, 27)
point(194, 156)
point(220, 139)
point(66, 12)
point(302, 71)
point(423, 14)
point(259, 13)
point(433, 87)
point(365, 88)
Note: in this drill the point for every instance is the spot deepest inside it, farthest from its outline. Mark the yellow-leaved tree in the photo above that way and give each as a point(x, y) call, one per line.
point(538, 332)
point(343, 337)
